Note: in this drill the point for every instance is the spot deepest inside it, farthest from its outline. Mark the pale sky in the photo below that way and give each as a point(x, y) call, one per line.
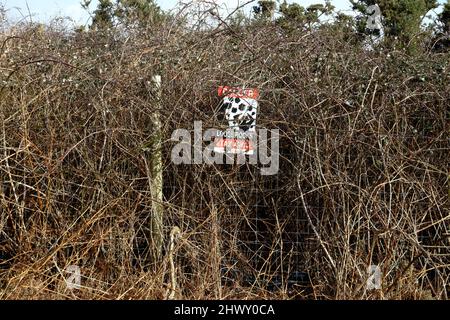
point(44, 10)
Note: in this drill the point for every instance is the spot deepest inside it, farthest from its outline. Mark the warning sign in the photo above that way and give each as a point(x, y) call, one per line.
point(240, 107)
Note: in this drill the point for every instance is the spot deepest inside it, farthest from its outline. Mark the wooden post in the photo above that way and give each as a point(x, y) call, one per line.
point(156, 178)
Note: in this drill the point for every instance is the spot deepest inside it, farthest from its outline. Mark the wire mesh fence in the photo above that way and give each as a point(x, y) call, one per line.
point(362, 180)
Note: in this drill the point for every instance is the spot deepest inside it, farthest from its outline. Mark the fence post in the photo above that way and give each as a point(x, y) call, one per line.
point(156, 178)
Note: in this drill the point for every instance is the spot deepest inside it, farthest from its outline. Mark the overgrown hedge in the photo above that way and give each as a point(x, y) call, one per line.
point(363, 175)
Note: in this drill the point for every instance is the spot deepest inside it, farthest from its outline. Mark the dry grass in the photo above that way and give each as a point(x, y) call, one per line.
point(363, 178)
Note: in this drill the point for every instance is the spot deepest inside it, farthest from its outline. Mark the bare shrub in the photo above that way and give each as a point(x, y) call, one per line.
point(363, 176)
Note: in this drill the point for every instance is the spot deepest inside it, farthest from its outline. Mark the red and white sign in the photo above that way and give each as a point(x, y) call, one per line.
point(234, 92)
point(240, 107)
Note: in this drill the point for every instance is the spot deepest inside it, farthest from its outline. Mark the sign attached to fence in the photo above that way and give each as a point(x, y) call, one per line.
point(240, 107)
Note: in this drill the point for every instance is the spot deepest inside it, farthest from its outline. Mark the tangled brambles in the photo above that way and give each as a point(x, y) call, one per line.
point(363, 176)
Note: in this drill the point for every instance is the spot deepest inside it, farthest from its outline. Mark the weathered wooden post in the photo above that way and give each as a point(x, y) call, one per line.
point(156, 175)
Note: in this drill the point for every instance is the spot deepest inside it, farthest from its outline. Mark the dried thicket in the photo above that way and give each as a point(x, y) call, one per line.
point(363, 174)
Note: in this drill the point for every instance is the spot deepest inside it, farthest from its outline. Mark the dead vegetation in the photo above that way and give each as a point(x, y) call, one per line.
point(363, 178)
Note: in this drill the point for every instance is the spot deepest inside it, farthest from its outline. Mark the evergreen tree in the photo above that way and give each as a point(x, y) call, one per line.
point(444, 17)
point(441, 41)
point(265, 10)
point(126, 12)
point(294, 15)
point(143, 12)
point(103, 15)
